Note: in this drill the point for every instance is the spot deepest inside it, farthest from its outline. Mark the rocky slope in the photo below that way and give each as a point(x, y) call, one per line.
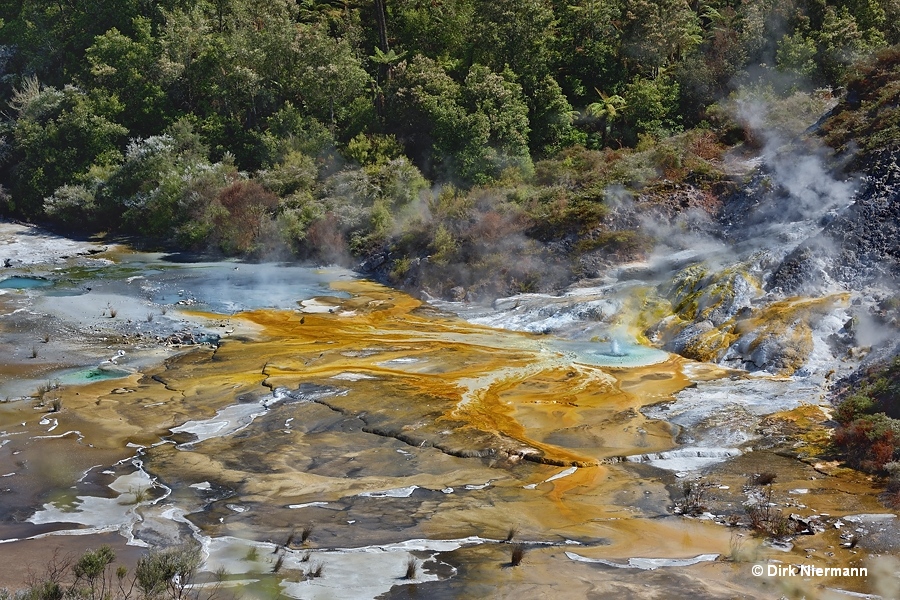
point(792, 273)
point(857, 248)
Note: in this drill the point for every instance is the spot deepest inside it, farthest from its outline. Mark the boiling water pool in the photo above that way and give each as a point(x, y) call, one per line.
point(613, 353)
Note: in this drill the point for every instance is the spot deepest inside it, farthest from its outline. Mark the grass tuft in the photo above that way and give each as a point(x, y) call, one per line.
point(511, 533)
point(306, 532)
point(140, 494)
point(412, 568)
point(518, 553)
point(278, 563)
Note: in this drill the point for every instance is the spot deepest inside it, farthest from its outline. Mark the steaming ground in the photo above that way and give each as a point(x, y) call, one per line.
point(732, 289)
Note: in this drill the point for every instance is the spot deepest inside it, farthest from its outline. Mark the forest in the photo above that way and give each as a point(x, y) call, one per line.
point(458, 130)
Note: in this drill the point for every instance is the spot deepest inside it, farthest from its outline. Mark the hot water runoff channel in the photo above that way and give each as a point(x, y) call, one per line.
point(230, 404)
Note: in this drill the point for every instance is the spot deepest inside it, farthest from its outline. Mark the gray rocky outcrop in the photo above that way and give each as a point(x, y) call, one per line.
point(857, 247)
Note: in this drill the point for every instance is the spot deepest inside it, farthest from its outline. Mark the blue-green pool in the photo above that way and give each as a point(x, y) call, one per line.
point(24, 283)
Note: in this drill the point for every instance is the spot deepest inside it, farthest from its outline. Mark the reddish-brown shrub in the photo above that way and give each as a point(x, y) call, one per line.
point(247, 206)
point(325, 240)
point(868, 442)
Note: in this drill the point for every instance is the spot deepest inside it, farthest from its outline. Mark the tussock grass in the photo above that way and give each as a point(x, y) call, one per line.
point(317, 570)
point(518, 553)
point(278, 563)
point(412, 568)
point(306, 532)
point(511, 533)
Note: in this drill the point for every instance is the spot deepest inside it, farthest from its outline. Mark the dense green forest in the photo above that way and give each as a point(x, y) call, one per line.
point(340, 129)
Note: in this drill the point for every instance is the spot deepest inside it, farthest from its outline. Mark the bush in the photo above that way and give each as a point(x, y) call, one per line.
point(91, 569)
point(159, 575)
point(869, 442)
point(58, 135)
point(692, 503)
point(374, 149)
point(247, 206)
point(72, 205)
point(325, 240)
point(852, 407)
point(296, 173)
point(869, 432)
point(443, 246)
point(167, 573)
point(764, 518)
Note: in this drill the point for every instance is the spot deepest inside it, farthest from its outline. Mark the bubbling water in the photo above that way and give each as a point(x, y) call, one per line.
point(614, 353)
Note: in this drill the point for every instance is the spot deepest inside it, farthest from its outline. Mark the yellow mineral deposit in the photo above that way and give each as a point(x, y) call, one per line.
point(489, 430)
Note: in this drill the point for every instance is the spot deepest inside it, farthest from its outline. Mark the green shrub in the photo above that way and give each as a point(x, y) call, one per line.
point(853, 407)
point(167, 572)
point(443, 246)
point(373, 149)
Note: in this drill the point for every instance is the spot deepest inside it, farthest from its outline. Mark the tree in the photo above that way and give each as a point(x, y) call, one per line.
point(438, 30)
point(472, 131)
point(607, 110)
point(327, 76)
point(796, 54)
point(841, 43)
point(518, 34)
point(589, 46)
point(50, 37)
point(57, 136)
point(650, 106)
point(550, 119)
point(127, 69)
point(657, 33)
point(424, 110)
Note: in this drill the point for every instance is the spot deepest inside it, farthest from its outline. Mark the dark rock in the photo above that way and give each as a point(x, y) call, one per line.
point(858, 246)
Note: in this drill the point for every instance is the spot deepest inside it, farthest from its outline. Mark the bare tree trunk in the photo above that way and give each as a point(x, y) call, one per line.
point(384, 70)
point(382, 26)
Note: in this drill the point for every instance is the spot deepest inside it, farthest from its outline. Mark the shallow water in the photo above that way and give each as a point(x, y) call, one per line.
point(24, 283)
point(395, 429)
